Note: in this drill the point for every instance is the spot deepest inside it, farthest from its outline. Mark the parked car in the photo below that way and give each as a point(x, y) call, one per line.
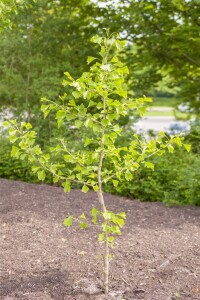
point(178, 127)
point(185, 108)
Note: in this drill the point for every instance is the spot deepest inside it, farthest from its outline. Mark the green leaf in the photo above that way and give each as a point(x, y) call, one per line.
point(72, 102)
point(147, 99)
point(162, 134)
point(142, 110)
point(86, 95)
point(105, 122)
point(87, 122)
point(45, 110)
point(78, 123)
point(122, 215)
point(6, 124)
point(111, 239)
point(69, 76)
point(118, 221)
point(170, 148)
point(83, 225)
point(96, 128)
point(101, 237)
point(37, 150)
point(85, 189)
point(60, 114)
point(68, 222)
point(128, 176)
point(187, 147)
point(122, 93)
point(82, 216)
point(96, 39)
point(114, 59)
point(90, 59)
point(67, 186)
point(107, 215)
point(92, 103)
point(149, 165)
point(115, 182)
point(35, 169)
point(13, 138)
point(124, 70)
point(76, 94)
point(28, 125)
point(23, 156)
point(150, 6)
point(15, 152)
point(23, 145)
point(120, 44)
point(178, 141)
point(114, 229)
point(87, 142)
point(55, 179)
point(94, 211)
point(95, 188)
point(60, 122)
point(41, 175)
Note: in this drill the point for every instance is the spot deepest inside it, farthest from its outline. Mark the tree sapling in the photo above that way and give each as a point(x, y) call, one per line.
point(98, 100)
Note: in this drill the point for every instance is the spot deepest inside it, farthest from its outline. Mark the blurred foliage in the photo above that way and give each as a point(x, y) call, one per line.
point(13, 168)
point(47, 38)
point(175, 180)
point(7, 8)
point(164, 43)
point(193, 137)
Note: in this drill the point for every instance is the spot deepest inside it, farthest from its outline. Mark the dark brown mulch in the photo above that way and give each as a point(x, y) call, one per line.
point(156, 258)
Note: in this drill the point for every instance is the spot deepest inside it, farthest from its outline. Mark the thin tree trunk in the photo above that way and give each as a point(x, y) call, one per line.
point(102, 202)
point(106, 245)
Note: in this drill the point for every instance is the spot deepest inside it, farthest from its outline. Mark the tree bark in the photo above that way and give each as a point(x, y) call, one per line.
point(106, 246)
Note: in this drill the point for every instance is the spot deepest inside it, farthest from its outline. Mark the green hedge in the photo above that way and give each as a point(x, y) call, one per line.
point(175, 180)
point(11, 168)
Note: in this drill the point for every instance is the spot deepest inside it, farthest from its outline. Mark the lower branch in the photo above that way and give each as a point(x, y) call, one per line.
point(106, 245)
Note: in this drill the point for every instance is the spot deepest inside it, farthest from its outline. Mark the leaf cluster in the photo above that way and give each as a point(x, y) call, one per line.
point(111, 223)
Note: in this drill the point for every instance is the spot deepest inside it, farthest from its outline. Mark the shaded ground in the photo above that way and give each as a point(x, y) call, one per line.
point(157, 256)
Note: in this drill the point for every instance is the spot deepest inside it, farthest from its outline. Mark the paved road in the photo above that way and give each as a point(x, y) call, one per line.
point(154, 123)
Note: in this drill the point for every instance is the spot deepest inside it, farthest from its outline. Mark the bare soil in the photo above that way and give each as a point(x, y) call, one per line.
point(156, 258)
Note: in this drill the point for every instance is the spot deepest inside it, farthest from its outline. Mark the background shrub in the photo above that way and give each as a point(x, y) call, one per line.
point(193, 137)
point(11, 168)
point(175, 180)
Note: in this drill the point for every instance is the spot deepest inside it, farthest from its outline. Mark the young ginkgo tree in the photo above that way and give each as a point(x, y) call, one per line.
point(96, 101)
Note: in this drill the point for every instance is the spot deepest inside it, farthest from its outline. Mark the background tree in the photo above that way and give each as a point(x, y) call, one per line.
point(164, 38)
point(46, 38)
point(7, 8)
point(50, 36)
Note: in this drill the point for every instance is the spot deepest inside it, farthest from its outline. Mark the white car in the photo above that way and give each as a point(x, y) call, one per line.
point(185, 108)
point(178, 127)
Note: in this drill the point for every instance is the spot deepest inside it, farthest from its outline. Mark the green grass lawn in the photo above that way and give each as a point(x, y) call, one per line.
point(153, 113)
point(177, 115)
point(165, 101)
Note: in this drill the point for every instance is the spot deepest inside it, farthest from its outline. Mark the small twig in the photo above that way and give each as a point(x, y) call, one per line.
point(125, 281)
